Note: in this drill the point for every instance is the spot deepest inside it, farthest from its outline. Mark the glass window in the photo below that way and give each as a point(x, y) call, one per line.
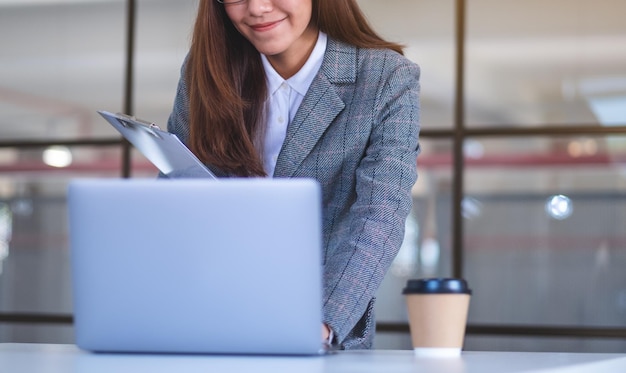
point(59, 66)
point(34, 257)
point(164, 30)
point(36, 333)
point(544, 231)
point(552, 344)
point(426, 28)
point(37, 164)
point(556, 62)
point(392, 341)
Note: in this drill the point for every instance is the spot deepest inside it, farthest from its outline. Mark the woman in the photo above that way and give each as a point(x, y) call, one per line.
point(305, 88)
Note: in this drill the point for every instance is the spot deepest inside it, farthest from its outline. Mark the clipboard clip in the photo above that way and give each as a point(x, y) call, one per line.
point(133, 118)
point(132, 122)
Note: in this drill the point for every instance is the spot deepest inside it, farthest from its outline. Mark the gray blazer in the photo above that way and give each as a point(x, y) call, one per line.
point(356, 132)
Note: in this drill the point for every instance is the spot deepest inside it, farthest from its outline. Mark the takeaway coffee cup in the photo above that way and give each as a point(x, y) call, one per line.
point(437, 309)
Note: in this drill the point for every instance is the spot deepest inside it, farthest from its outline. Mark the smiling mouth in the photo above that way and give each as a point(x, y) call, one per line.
point(265, 26)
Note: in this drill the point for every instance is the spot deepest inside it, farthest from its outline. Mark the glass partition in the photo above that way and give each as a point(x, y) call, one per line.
point(163, 37)
point(544, 231)
point(59, 65)
point(426, 28)
point(545, 62)
point(36, 333)
point(551, 344)
point(34, 256)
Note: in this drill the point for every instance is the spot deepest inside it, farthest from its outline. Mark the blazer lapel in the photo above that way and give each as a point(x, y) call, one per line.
point(318, 109)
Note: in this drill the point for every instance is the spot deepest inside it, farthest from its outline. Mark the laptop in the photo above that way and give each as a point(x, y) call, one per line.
point(196, 266)
point(163, 149)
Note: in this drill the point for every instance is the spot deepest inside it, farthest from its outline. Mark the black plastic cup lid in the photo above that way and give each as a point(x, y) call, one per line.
point(437, 286)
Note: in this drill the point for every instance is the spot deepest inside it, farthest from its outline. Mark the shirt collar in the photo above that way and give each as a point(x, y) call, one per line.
point(302, 80)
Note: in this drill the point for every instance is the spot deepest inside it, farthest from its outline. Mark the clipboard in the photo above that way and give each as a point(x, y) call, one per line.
point(163, 149)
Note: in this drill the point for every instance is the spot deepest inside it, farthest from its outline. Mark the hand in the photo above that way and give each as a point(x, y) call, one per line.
point(325, 332)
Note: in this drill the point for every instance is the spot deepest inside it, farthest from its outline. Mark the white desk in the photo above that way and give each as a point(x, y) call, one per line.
point(48, 358)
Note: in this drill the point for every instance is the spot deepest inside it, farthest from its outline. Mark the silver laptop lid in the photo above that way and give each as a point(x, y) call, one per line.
point(196, 266)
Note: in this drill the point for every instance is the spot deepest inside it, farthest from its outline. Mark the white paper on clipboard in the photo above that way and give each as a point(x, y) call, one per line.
point(163, 149)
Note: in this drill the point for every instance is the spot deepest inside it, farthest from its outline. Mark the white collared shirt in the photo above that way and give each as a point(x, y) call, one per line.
point(284, 99)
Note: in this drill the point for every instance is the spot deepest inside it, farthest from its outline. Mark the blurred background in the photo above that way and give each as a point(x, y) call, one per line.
point(522, 185)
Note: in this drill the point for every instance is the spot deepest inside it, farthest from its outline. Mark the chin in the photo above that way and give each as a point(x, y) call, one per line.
point(270, 50)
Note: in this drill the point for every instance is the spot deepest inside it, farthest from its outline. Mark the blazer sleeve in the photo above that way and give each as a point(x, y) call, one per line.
point(384, 179)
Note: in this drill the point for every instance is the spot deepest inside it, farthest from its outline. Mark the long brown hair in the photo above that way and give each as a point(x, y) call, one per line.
point(227, 88)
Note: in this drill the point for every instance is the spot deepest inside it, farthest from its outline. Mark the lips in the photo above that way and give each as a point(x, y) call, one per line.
point(266, 26)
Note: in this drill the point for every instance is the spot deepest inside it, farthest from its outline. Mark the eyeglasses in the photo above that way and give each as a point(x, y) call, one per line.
point(231, 2)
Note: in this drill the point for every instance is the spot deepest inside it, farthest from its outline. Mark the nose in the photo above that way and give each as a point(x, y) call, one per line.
point(259, 7)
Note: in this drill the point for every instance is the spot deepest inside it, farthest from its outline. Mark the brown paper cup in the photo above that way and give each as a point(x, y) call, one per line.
point(437, 310)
